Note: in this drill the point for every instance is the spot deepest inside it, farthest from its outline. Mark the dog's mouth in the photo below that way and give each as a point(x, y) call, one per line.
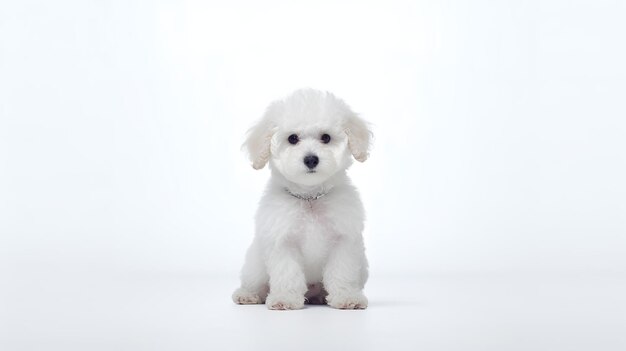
point(311, 171)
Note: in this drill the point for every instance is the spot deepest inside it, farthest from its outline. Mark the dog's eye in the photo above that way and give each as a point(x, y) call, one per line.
point(325, 138)
point(293, 139)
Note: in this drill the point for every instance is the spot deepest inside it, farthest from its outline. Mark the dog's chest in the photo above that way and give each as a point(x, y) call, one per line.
point(315, 236)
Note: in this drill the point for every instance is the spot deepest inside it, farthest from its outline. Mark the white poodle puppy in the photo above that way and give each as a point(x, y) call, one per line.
point(308, 244)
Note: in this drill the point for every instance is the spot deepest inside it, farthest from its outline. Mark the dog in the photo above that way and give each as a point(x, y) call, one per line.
point(308, 246)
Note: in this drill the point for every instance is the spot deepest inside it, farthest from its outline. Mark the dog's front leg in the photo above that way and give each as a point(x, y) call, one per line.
point(345, 275)
point(287, 281)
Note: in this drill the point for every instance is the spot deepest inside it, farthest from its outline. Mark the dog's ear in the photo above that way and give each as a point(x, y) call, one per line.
point(359, 137)
point(258, 141)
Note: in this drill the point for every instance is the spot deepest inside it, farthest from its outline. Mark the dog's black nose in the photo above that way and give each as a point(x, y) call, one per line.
point(311, 161)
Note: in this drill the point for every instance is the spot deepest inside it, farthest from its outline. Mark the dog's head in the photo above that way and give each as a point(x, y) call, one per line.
point(308, 137)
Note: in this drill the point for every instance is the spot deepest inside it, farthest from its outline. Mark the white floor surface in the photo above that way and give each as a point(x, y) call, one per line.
point(56, 309)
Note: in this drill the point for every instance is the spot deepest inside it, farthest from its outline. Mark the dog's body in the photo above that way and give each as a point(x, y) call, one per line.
point(308, 242)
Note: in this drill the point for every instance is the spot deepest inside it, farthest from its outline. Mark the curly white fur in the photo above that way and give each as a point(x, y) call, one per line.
point(308, 244)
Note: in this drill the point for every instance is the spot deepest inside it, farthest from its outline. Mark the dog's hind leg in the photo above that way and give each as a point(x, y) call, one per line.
point(254, 279)
point(316, 295)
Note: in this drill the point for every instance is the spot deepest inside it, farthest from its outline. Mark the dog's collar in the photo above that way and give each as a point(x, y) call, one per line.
point(308, 197)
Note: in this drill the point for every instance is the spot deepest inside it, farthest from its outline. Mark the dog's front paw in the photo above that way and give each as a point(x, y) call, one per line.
point(355, 301)
point(278, 301)
point(244, 297)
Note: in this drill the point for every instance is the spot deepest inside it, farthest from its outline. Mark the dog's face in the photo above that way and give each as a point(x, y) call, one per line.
point(308, 137)
point(309, 154)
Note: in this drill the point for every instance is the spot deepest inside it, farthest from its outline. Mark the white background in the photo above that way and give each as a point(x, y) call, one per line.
point(495, 191)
